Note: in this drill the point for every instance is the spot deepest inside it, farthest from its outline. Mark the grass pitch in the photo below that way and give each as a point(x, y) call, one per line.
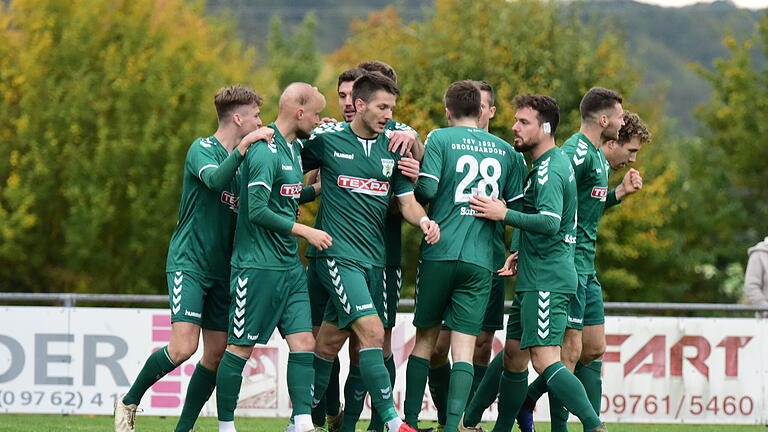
point(56, 423)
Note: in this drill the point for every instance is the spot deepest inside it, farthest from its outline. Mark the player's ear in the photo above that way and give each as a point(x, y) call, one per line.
point(237, 120)
point(359, 104)
point(492, 111)
point(299, 113)
point(447, 114)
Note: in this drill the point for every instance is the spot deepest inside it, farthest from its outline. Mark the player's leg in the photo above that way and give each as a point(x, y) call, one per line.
point(492, 321)
point(464, 316)
point(185, 295)
point(544, 315)
point(318, 300)
point(354, 388)
point(440, 373)
point(513, 382)
point(433, 291)
point(203, 380)
point(589, 368)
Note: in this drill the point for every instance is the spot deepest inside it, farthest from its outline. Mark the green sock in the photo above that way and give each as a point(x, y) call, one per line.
point(415, 380)
point(229, 378)
point(376, 423)
point(300, 376)
point(537, 388)
point(512, 389)
point(486, 392)
point(592, 379)
point(458, 390)
point(376, 379)
point(332, 403)
point(569, 390)
point(323, 369)
point(354, 397)
point(200, 387)
point(439, 379)
point(318, 410)
point(558, 415)
point(476, 380)
point(158, 365)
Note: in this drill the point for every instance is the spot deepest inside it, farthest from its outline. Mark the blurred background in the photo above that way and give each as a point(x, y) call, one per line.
point(100, 100)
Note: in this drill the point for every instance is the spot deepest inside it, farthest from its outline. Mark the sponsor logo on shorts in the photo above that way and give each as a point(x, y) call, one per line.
point(192, 314)
point(599, 192)
point(570, 239)
point(364, 186)
point(231, 200)
point(575, 320)
point(343, 155)
point(252, 337)
point(364, 307)
point(291, 190)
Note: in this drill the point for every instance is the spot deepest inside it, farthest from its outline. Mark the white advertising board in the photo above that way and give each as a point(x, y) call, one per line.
point(659, 370)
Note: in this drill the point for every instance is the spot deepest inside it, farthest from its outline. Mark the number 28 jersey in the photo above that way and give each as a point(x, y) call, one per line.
point(468, 161)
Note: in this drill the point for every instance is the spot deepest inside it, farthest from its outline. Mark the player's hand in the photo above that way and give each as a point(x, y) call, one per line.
point(488, 208)
point(262, 133)
point(631, 183)
point(328, 120)
point(409, 167)
point(431, 231)
point(317, 238)
point(510, 265)
point(402, 140)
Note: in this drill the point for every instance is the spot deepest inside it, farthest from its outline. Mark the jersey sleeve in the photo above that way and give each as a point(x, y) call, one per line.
point(202, 163)
point(401, 184)
point(312, 150)
point(432, 165)
point(513, 189)
point(579, 162)
point(549, 197)
point(262, 166)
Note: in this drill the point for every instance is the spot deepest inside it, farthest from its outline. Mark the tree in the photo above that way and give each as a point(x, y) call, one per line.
point(100, 101)
point(293, 59)
point(524, 46)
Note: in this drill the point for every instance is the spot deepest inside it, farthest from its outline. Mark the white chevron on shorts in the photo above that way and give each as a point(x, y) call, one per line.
point(339, 287)
point(177, 287)
point(543, 311)
point(386, 314)
point(240, 298)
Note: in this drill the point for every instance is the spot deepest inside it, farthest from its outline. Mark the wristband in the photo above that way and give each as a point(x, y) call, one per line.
point(423, 218)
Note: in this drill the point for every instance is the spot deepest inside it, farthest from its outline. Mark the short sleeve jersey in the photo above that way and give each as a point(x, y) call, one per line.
point(468, 161)
point(359, 176)
point(592, 172)
point(546, 261)
point(202, 240)
point(277, 167)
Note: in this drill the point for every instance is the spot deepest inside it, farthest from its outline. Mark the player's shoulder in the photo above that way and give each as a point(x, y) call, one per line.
point(327, 129)
point(204, 144)
point(262, 151)
point(395, 125)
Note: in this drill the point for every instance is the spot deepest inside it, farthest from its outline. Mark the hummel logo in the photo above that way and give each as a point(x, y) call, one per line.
point(252, 337)
point(343, 155)
point(192, 314)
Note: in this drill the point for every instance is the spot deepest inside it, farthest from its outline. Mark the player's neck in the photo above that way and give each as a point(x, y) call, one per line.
point(542, 148)
point(593, 134)
point(228, 137)
point(361, 129)
point(286, 129)
point(464, 122)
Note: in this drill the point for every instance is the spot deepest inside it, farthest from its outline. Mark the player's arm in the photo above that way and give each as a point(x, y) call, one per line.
point(309, 192)
point(631, 183)
point(312, 151)
point(429, 172)
point(411, 210)
point(260, 180)
point(216, 177)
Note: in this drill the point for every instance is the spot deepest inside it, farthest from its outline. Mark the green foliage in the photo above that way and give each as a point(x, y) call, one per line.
point(293, 59)
point(100, 100)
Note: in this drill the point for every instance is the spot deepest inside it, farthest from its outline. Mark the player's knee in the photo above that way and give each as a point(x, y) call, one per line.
point(482, 354)
point(439, 358)
point(180, 353)
point(303, 343)
point(371, 338)
point(515, 362)
point(591, 353)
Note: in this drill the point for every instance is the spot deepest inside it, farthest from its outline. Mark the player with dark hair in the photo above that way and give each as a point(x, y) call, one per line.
point(546, 280)
point(198, 257)
point(359, 176)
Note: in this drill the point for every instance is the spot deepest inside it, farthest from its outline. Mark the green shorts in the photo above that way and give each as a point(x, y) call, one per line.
point(453, 292)
point(264, 299)
point(199, 300)
point(494, 312)
point(537, 318)
point(586, 308)
point(393, 283)
point(318, 295)
point(355, 289)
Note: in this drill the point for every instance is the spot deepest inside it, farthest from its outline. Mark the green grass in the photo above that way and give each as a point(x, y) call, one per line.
point(55, 423)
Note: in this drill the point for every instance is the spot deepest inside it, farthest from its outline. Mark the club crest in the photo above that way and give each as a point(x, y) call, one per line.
point(387, 166)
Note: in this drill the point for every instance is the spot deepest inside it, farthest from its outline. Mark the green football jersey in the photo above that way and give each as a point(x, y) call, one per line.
point(465, 162)
point(592, 172)
point(393, 242)
point(546, 262)
point(277, 167)
point(202, 240)
point(358, 176)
